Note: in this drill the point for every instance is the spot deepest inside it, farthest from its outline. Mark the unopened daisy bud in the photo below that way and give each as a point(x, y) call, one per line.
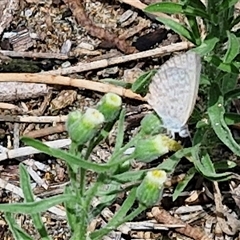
point(150, 190)
point(146, 150)
point(82, 131)
point(109, 106)
point(151, 124)
point(73, 117)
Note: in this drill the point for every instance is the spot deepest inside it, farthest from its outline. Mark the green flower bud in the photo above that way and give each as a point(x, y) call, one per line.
point(109, 106)
point(150, 190)
point(146, 150)
point(73, 117)
point(151, 124)
point(83, 130)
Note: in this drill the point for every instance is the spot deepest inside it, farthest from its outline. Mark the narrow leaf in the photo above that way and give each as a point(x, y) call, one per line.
point(17, 232)
point(140, 86)
point(207, 46)
point(216, 114)
point(29, 197)
point(38, 206)
point(232, 48)
point(226, 4)
point(120, 132)
point(69, 158)
point(173, 8)
point(177, 27)
point(229, 82)
point(116, 220)
point(232, 118)
point(181, 185)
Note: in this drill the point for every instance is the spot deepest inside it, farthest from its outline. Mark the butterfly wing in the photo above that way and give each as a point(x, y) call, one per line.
point(173, 90)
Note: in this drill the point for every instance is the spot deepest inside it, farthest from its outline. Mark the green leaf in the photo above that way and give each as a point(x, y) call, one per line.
point(232, 118)
point(207, 163)
point(226, 67)
point(182, 184)
point(140, 86)
point(226, 4)
point(232, 48)
point(216, 113)
point(129, 176)
point(69, 158)
point(207, 46)
point(38, 206)
point(170, 163)
point(177, 27)
point(70, 209)
point(198, 4)
point(224, 165)
point(231, 95)
point(116, 82)
point(120, 132)
point(25, 184)
point(229, 82)
point(173, 8)
point(202, 128)
point(17, 232)
point(118, 217)
point(29, 197)
point(195, 30)
point(207, 169)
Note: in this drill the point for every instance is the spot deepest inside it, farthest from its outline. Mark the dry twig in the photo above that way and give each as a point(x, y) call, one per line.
point(82, 67)
point(33, 119)
point(162, 216)
point(46, 131)
point(25, 151)
point(59, 80)
point(34, 55)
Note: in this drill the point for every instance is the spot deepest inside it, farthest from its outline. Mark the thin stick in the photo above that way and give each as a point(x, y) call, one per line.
point(33, 119)
point(46, 131)
point(59, 80)
point(24, 151)
point(34, 55)
point(7, 106)
point(95, 86)
point(82, 67)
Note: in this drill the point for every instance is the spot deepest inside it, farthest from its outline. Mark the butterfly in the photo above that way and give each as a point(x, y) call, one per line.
point(173, 91)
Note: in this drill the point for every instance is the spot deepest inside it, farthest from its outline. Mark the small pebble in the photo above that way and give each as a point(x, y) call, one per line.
point(28, 13)
point(34, 35)
point(86, 46)
point(125, 16)
point(109, 71)
point(66, 47)
point(66, 64)
point(130, 20)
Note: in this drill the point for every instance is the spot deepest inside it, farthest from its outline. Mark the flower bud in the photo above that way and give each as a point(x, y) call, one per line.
point(150, 190)
point(109, 106)
point(73, 117)
point(83, 130)
point(151, 124)
point(146, 150)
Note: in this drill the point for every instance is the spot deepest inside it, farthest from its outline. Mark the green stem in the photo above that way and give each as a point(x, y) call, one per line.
point(100, 233)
